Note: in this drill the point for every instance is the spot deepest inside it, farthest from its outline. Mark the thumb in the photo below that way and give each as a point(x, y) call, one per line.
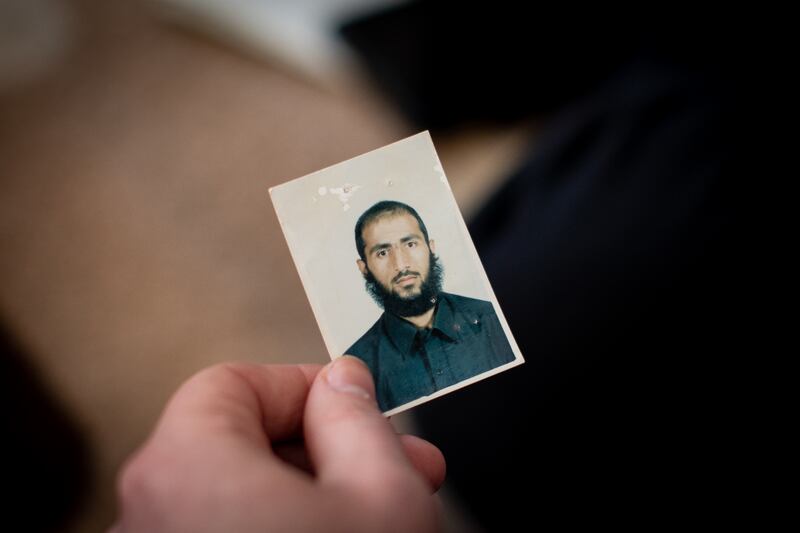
point(349, 441)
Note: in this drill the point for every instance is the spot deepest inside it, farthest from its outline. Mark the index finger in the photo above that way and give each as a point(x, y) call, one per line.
point(260, 403)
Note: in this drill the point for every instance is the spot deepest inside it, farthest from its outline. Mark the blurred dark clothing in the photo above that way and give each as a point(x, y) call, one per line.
point(616, 254)
point(46, 456)
point(611, 252)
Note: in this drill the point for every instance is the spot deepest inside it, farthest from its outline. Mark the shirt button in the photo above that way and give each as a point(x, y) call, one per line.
point(439, 372)
point(457, 327)
point(475, 321)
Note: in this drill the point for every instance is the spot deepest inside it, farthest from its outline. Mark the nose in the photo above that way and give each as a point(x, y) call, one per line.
point(401, 259)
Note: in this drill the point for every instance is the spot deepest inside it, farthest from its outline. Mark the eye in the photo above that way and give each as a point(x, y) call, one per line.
point(382, 253)
point(412, 244)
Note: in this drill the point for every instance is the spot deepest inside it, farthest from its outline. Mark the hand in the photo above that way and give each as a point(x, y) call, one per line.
point(227, 456)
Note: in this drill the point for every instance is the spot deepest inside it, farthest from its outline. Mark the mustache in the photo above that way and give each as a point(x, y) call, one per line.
point(404, 274)
point(393, 303)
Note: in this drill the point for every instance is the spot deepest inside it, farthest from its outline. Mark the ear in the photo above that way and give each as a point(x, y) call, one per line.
point(362, 266)
point(432, 245)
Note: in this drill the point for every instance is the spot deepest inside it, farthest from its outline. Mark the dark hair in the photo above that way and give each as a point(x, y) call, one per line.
point(385, 207)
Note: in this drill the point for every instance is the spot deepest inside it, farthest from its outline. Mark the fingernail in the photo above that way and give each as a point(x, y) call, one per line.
point(350, 375)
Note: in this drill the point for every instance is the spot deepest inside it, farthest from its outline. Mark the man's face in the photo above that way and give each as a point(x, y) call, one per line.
point(396, 254)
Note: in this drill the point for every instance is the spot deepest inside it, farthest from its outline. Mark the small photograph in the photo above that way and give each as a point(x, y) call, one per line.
point(392, 275)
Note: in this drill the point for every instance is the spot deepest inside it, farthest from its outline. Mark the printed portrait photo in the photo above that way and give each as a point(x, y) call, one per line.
point(392, 275)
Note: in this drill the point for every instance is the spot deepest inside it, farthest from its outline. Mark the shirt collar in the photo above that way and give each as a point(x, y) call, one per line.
point(402, 332)
point(445, 320)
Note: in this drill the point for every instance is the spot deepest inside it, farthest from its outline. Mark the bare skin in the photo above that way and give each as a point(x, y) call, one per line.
point(244, 447)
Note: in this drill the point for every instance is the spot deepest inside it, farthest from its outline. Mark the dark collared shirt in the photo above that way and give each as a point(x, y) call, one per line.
point(465, 340)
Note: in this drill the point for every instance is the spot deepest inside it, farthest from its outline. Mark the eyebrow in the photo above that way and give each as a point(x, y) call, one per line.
point(384, 245)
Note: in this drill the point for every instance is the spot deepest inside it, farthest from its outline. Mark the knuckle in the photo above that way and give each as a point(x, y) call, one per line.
point(131, 481)
point(140, 483)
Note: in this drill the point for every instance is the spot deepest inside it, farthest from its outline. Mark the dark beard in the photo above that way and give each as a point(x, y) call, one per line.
point(408, 307)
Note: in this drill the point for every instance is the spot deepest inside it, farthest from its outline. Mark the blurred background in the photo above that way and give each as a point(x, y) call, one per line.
point(593, 157)
point(137, 240)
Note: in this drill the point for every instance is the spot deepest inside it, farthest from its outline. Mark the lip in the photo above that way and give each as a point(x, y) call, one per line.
point(405, 279)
